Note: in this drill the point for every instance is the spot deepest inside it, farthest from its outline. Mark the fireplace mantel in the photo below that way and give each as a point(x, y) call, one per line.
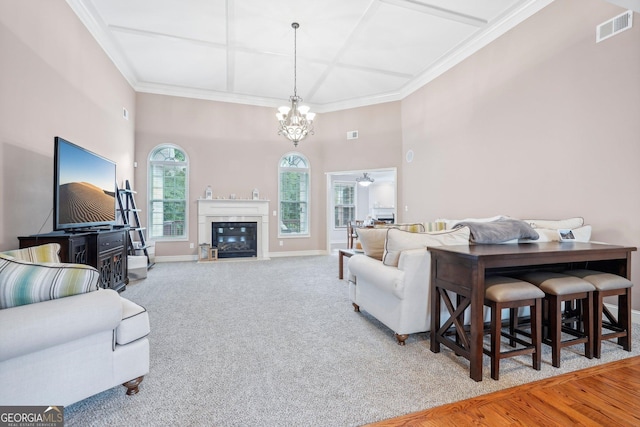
point(228, 210)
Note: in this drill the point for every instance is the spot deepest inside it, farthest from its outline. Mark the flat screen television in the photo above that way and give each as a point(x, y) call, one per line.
point(84, 188)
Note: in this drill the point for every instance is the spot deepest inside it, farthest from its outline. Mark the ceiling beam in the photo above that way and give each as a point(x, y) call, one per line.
point(438, 11)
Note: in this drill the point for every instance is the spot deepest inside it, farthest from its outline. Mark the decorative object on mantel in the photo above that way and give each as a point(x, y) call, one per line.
point(256, 194)
point(296, 122)
point(365, 180)
point(208, 193)
point(232, 196)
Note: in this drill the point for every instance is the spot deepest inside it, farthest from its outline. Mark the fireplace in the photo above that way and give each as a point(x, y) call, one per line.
point(214, 211)
point(234, 239)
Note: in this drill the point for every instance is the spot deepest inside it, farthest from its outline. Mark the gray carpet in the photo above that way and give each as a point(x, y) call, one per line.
point(277, 343)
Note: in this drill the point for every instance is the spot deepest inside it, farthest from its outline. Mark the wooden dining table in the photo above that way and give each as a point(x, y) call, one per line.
point(462, 269)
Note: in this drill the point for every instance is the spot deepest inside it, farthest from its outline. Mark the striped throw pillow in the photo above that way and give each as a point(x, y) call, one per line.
point(22, 282)
point(412, 228)
point(43, 253)
point(435, 226)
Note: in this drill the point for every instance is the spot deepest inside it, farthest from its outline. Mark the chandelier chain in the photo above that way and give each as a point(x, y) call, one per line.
point(295, 26)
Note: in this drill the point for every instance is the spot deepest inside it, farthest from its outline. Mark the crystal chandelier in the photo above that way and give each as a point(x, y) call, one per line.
point(296, 122)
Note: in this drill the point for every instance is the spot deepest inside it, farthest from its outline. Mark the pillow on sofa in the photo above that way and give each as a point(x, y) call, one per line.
point(581, 234)
point(398, 241)
point(556, 224)
point(24, 283)
point(43, 253)
point(372, 241)
point(435, 226)
point(414, 228)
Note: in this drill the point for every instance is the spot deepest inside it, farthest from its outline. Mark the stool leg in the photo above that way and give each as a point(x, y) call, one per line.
point(496, 315)
point(598, 301)
point(555, 329)
point(513, 325)
point(536, 333)
point(587, 322)
point(624, 319)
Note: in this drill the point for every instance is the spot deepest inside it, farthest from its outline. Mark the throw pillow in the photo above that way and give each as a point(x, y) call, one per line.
point(372, 241)
point(43, 253)
point(435, 226)
point(24, 283)
point(556, 224)
point(398, 241)
point(581, 234)
point(414, 228)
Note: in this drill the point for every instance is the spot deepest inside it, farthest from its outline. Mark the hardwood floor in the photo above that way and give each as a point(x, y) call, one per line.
point(604, 395)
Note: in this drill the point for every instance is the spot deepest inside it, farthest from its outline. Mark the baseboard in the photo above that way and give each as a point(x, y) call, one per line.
point(184, 258)
point(297, 253)
point(176, 258)
point(635, 314)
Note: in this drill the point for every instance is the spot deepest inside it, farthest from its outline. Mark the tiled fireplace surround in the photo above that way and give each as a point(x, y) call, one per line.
point(227, 210)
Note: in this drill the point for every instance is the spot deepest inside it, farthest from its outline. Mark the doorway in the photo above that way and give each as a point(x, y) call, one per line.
point(378, 200)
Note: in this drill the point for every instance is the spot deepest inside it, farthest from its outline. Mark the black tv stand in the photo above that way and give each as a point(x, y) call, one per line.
point(105, 250)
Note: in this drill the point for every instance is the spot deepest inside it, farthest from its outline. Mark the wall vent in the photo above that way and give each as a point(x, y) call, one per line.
point(352, 134)
point(614, 26)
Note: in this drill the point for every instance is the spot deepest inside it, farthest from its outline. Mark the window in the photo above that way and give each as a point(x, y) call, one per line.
point(344, 203)
point(168, 189)
point(293, 195)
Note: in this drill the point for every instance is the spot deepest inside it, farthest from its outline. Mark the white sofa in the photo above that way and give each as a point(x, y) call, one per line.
point(391, 279)
point(60, 351)
point(395, 290)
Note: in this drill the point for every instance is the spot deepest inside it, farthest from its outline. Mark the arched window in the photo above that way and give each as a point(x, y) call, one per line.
point(167, 193)
point(293, 195)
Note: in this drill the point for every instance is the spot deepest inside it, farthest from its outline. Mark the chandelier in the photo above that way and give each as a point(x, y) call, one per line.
point(296, 122)
point(365, 180)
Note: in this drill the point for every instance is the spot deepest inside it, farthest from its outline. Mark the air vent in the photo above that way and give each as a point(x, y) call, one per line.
point(614, 26)
point(352, 134)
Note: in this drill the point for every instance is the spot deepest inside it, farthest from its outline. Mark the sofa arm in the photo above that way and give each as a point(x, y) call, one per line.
point(413, 259)
point(416, 265)
point(32, 327)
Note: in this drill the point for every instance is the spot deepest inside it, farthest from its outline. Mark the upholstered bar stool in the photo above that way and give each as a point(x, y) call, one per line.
point(506, 292)
point(607, 285)
point(562, 288)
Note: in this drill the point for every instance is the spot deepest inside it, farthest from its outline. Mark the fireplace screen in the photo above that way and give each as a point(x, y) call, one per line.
point(234, 239)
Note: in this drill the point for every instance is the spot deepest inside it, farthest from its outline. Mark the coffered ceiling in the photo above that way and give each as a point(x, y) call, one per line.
point(349, 52)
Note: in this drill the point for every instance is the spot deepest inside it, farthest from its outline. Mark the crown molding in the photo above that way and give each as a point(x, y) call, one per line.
point(503, 24)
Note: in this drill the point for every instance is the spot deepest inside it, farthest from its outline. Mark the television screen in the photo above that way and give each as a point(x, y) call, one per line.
point(84, 188)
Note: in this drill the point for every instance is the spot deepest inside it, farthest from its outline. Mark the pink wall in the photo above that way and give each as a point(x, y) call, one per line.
point(54, 81)
point(236, 148)
point(543, 122)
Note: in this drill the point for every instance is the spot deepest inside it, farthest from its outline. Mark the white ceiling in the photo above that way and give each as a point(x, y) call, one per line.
point(350, 53)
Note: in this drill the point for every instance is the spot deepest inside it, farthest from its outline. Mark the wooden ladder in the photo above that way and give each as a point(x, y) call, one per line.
point(130, 215)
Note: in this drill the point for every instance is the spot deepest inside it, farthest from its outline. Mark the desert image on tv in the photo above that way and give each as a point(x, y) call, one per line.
point(84, 202)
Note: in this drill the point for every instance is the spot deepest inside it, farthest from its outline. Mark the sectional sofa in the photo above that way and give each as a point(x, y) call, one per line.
point(390, 278)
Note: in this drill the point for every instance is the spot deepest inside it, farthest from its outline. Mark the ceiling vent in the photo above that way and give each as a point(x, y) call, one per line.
point(352, 134)
point(614, 26)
